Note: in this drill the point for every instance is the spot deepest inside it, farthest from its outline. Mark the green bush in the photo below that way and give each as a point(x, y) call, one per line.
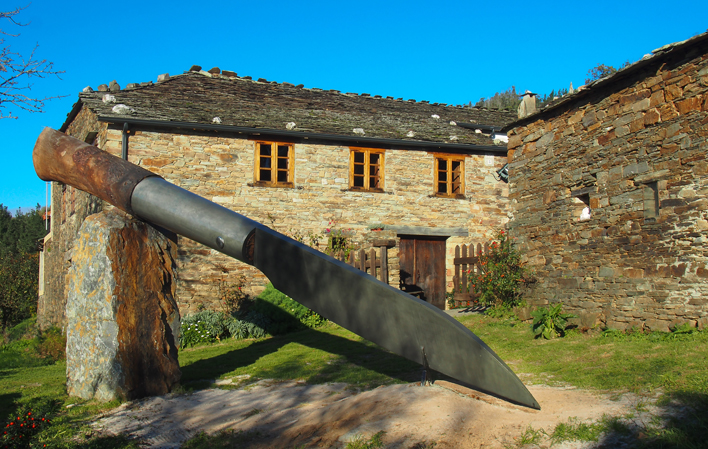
point(20, 431)
point(286, 314)
point(272, 313)
point(550, 322)
point(18, 287)
point(209, 326)
point(252, 325)
point(501, 276)
point(52, 344)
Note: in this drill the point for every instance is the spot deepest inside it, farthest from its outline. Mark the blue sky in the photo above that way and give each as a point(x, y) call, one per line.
point(446, 51)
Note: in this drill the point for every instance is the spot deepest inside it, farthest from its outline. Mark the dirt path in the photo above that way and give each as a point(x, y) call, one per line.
point(291, 414)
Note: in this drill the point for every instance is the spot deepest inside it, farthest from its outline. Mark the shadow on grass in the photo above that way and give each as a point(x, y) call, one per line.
point(7, 404)
point(681, 423)
point(352, 354)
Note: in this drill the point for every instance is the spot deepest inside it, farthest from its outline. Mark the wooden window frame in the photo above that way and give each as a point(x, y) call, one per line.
point(366, 175)
point(258, 170)
point(450, 159)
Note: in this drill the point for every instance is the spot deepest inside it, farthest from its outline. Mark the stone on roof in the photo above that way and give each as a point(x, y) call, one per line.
point(199, 96)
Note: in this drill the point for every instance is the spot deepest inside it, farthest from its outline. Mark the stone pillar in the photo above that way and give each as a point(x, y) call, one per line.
point(122, 319)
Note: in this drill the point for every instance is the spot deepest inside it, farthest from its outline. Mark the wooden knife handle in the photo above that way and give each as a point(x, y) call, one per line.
point(58, 157)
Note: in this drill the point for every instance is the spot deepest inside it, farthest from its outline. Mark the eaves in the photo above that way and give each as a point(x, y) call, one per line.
point(300, 136)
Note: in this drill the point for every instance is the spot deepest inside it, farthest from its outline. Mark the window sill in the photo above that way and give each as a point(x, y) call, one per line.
point(454, 197)
point(357, 189)
point(282, 185)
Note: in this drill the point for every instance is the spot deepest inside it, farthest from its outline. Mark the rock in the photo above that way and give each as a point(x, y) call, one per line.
point(113, 86)
point(122, 109)
point(523, 313)
point(122, 319)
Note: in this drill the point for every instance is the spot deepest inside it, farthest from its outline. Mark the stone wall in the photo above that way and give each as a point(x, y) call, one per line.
point(69, 208)
point(220, 168)
point(626, 148)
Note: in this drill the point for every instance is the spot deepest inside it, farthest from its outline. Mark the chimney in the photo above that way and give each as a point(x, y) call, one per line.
point(528, 104)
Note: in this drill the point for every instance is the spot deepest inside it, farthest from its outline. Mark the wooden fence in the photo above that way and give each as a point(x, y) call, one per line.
point(467, 265)
point(368, 262)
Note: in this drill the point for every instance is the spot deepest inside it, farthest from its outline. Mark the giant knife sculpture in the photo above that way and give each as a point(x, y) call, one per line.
point(349, 297)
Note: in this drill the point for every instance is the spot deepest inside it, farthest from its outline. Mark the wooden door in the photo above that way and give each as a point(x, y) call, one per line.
point(422, 261)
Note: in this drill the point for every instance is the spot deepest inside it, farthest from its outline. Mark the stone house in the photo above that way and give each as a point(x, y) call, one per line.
point(301, 161)
point(608, 191)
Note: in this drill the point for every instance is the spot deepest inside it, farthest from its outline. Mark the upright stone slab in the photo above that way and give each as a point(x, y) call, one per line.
point(122, 319)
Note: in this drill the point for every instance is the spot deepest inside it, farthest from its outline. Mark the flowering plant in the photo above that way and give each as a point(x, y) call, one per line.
point(501, 276)
point(194, 333)
point(19, 431)
point(339, 241)
point(233, 295)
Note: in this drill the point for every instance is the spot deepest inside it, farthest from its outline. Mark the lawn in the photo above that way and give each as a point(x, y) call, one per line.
point(670, 366)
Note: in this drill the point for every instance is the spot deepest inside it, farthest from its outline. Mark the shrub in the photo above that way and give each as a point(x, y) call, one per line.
point(209, 326)
point(25, 424)
point(550, 322)
point(286, 314)
point(252, 325)
point(52, 344)
point(502, 275)
point(272, 313)
point(18, 287)
point(232, 295)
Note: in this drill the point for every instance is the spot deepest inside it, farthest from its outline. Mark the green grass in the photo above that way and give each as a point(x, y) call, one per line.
point(326, 354)
point(671, 367)
point(613, 362)
point(30, 381)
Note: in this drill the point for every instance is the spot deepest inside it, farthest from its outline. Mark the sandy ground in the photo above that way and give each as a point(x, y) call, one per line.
point(292, 414)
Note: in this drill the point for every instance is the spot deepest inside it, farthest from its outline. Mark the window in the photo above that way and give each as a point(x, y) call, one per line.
point(450, 176)
point(366, 169)
point(581, 203)
point(651, 200)
point(274, 164)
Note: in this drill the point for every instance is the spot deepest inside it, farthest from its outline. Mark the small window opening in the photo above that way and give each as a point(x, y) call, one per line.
point(582, 207)
point(651, 200)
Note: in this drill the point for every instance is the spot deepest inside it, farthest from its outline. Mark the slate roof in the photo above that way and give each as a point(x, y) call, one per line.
point(205, 98)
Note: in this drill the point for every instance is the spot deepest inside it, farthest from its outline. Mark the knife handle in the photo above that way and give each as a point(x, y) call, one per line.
point(61, 158)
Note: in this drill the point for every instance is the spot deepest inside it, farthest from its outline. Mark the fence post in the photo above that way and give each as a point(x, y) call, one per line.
point(384, 264)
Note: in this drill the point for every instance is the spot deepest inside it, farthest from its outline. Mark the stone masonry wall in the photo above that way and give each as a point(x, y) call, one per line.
point(611, 151)
point(70, 207)
point(221, 170)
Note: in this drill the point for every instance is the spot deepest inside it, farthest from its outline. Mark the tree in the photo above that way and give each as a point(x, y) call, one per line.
point(601, 71)
point(18, 287)
point(19, 264)
point(543, 100)
point(508, 100)
point(16, 72)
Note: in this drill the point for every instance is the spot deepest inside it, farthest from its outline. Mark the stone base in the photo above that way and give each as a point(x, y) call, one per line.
point(122, 319)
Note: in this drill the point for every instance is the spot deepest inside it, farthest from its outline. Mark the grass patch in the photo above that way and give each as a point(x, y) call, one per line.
point(636, 363)
point(326, 354)
point(670, 365)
